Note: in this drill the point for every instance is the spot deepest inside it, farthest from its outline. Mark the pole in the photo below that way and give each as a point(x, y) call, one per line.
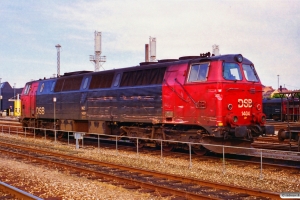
point(261, 174)
point(14, 90)
point(117, 145)
point(58, 59)
point(190, 152)
point(224, 169)
point(54, 122)
point(161, 152)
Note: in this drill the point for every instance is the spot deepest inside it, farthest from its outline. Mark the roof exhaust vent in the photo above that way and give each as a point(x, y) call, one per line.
point(215, 50)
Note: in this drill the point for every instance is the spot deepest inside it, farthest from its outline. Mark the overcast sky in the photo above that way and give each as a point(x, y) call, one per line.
point(264, 31)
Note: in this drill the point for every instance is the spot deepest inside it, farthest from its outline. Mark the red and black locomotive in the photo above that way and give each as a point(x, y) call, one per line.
point(192, 99)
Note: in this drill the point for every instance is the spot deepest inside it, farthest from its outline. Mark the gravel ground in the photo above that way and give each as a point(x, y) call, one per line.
point(46, 183)
point(51, 182)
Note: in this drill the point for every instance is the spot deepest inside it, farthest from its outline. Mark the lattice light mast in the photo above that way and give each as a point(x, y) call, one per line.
point(97, 58)
point(58, 59)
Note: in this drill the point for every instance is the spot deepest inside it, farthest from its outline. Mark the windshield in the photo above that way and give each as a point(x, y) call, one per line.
point(250, 73)
point(231, 71)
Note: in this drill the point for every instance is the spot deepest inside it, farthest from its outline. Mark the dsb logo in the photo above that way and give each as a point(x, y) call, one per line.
point(40, 110)
point(244, 103)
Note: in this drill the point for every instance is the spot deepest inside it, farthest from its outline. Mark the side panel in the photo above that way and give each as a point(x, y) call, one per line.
point(175, 99)
point(128, 104)
point(193, 103)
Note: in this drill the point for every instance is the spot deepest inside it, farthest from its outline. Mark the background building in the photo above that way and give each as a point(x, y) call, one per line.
point(7, 92)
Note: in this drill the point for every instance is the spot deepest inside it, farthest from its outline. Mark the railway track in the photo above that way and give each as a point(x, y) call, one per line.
point(185, 157)
point(270, 142)
point(9, 192)
point(283, 125)
point(136, 178)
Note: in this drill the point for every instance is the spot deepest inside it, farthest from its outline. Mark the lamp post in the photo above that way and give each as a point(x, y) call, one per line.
point(278, 81)
point(54, 101)
point(14, 90)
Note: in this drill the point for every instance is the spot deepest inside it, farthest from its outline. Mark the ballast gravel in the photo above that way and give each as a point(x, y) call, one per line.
point(48, 182)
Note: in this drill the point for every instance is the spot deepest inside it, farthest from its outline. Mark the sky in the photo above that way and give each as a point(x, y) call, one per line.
point(267, 32)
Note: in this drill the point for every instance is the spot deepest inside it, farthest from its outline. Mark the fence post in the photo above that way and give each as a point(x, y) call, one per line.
point(190, 152)
point(161, 152)
point(137, 147)
point(98, 143)
point(82, 141)
point(34, 133)
point(224, 170)
point(261, 176)
point(117, 145)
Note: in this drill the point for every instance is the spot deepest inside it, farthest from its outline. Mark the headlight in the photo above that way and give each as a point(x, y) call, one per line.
point(259, 118)
point(229, 106)
point(238, 58)
point(232, 119)
point(263, 119)
point(235, 119)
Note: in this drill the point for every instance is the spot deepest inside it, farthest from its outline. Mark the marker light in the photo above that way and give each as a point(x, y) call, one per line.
point(258, 106)
point(239, 58)
point(262, 118)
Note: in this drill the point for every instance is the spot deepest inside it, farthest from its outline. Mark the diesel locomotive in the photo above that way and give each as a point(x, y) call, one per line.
point(206, 98)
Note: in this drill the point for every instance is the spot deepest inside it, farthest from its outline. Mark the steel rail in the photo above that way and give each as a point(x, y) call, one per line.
point(128, 181)
point(236, 189)
point(17, 193)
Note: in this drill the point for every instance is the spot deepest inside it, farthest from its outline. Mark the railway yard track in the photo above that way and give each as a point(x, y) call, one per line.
point(134, 177)
point(158, 183)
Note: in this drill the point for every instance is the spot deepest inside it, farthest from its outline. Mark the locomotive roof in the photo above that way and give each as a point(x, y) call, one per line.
point(160, 63)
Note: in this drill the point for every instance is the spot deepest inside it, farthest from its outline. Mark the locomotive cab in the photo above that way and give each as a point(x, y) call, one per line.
point(243, 105)
point(221, 95)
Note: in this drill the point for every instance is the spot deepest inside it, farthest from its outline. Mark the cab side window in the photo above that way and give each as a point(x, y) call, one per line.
point(198, 72)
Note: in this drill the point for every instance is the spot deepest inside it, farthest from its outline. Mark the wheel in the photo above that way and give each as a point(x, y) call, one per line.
point(166, 147)
point(199, 150)
point(140, 143)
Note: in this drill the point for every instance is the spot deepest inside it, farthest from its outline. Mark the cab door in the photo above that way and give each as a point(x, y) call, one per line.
point(32, 99)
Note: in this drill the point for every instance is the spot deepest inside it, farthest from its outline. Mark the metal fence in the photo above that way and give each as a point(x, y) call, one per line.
point(80, 135)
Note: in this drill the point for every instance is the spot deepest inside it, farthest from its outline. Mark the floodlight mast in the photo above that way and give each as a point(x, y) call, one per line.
point(58, 59)
point(97, 58)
